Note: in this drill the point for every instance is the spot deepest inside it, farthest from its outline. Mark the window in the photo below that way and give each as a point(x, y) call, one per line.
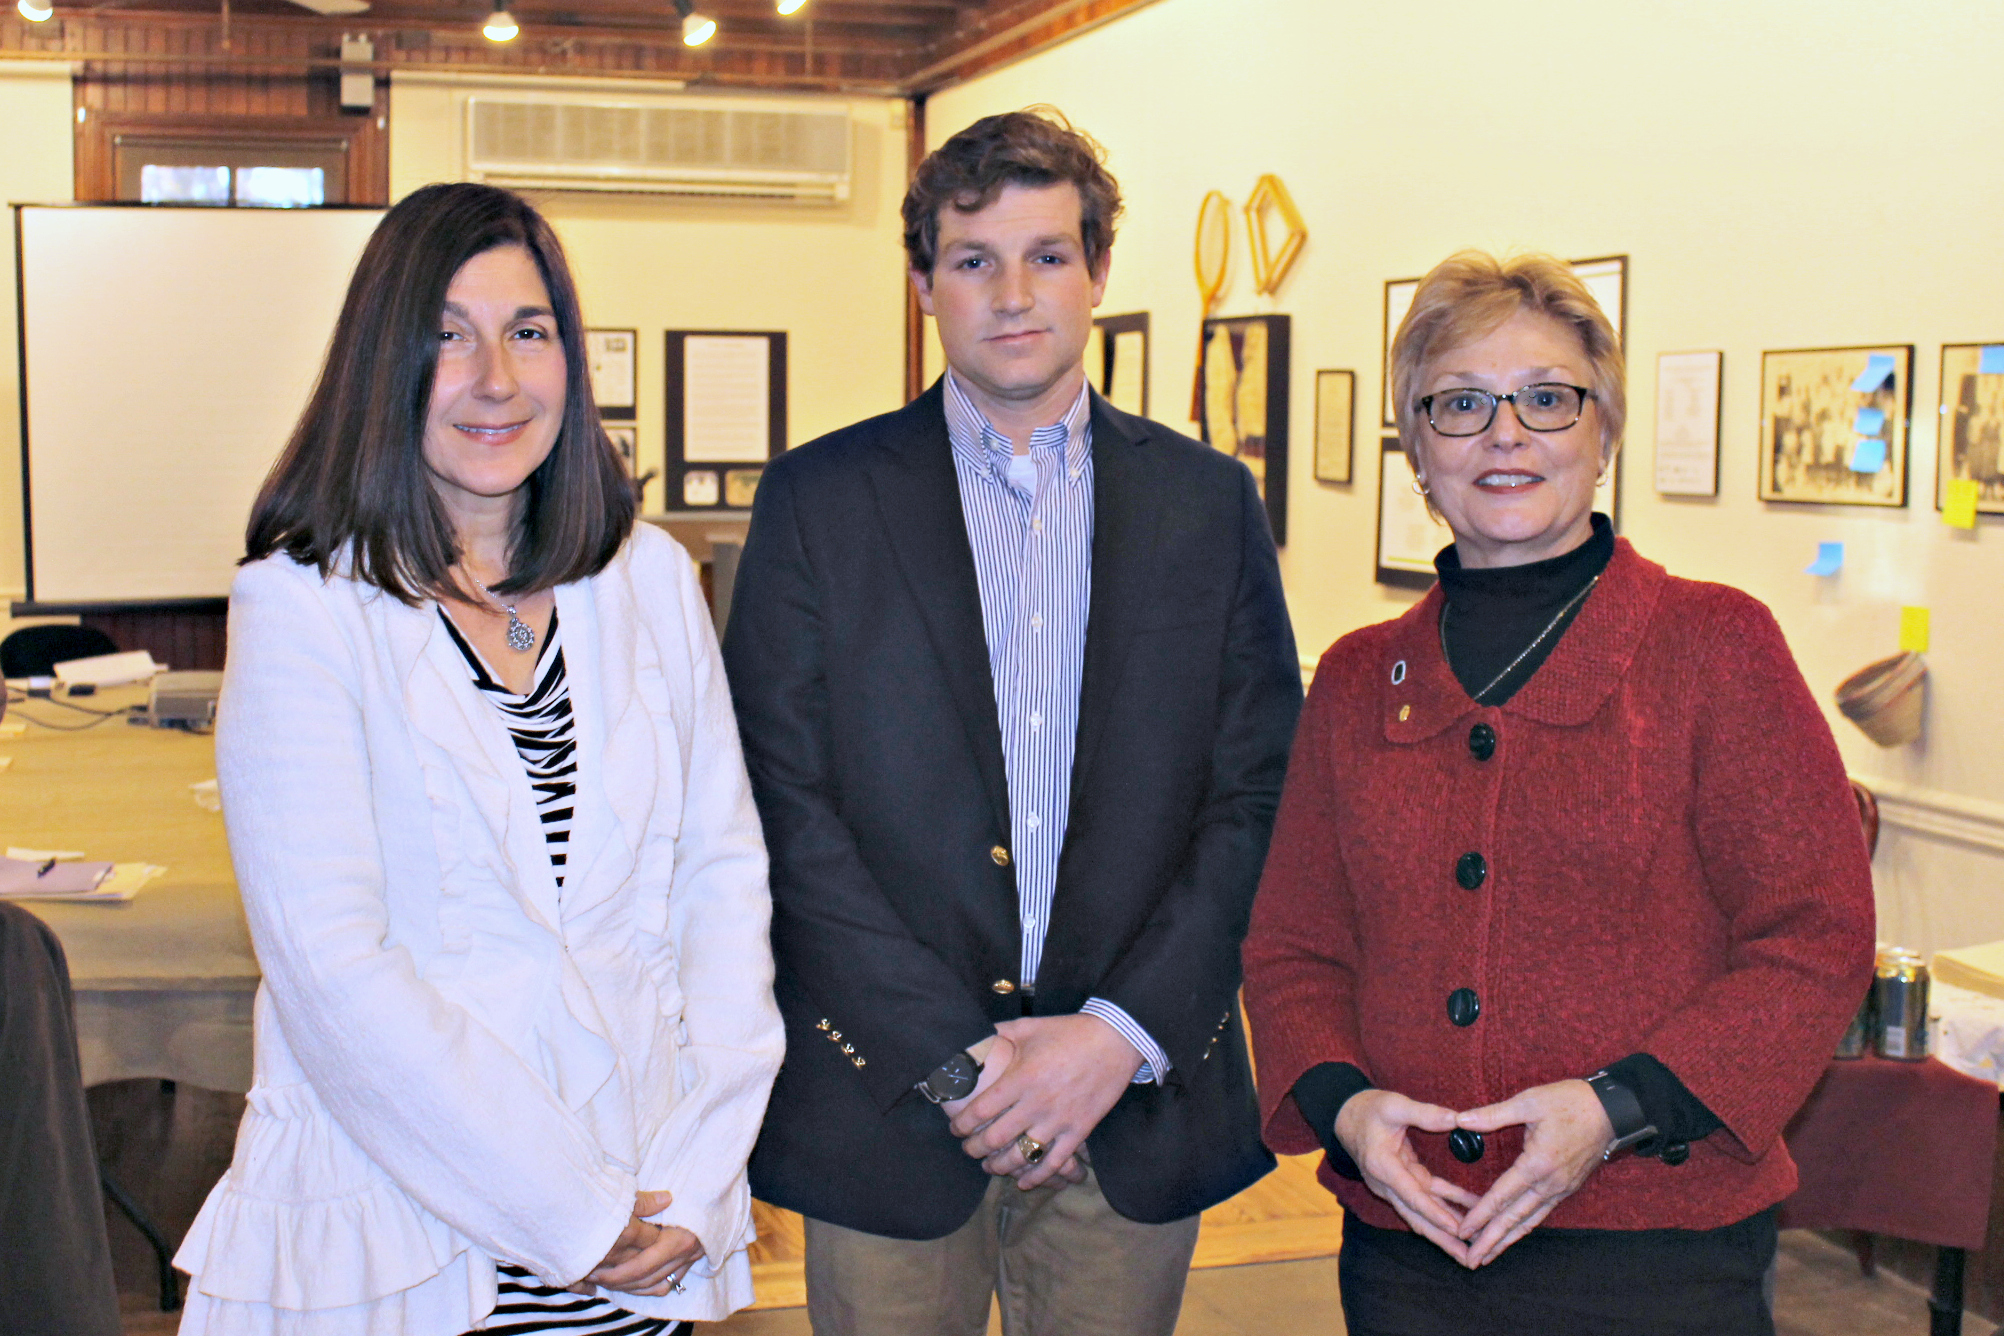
point(275, 174)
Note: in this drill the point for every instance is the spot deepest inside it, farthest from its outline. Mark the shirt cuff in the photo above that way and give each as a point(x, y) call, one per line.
point(1154, 1062)
point(1320, 1094)
point(1666, 1101)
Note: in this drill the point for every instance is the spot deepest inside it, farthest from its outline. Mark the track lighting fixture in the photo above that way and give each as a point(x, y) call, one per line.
point(34, 13)
point(792, 6)
point(696, 28)
point(500, 25)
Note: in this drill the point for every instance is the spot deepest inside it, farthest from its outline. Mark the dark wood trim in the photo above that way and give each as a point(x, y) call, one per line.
point(991, 40)
point(121, 607)
point(365, 138)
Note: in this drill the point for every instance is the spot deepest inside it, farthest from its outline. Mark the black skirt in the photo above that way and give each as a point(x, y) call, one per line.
point(1564, 1282)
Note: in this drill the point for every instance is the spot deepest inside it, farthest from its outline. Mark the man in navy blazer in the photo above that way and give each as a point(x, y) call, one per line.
point(1016, 685)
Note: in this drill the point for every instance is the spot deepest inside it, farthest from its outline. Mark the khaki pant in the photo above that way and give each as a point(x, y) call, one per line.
point(1062, 1261)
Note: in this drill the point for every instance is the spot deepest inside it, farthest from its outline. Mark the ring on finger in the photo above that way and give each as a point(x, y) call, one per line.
point(1033, 1149)
point(675, 1285)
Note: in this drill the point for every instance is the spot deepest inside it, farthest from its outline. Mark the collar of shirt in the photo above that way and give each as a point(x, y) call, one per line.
point(977, 442)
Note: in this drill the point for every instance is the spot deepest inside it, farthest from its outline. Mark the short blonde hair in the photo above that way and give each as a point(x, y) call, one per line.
point(1469, 294)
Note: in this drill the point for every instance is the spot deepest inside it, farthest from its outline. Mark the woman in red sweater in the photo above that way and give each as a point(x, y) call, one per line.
point(1567, 903)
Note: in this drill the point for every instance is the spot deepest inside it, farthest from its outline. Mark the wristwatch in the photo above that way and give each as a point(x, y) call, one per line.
point(1632, 1128)
point(952, 1079)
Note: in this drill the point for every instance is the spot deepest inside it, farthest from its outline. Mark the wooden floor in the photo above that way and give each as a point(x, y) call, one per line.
point(1285, 1217)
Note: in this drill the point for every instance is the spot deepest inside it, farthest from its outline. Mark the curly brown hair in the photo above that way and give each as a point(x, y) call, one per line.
point(1033, 147)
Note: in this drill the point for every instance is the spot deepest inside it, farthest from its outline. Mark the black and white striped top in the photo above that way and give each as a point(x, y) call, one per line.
point(540, 725)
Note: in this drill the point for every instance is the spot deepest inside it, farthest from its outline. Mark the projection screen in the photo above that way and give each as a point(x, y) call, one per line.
point(165, 355)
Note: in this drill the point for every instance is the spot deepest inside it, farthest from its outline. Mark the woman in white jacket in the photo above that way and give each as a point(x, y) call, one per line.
point(494, 838)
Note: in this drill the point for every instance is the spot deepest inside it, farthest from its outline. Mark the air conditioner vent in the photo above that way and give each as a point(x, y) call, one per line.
point(582, 144)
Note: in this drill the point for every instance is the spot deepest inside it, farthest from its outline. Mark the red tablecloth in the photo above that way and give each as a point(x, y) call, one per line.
point(1896, 1148)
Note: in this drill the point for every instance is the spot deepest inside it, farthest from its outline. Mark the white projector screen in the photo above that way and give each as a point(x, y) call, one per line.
point(166, 354)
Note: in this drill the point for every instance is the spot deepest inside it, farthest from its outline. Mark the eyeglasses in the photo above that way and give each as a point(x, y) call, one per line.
point(1543, 407)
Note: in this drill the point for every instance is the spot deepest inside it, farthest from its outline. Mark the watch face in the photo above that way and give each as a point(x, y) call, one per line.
point(955, 1078)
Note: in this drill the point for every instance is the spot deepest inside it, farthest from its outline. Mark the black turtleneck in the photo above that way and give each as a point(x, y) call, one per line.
point(1493, 615)
point(1498, 626)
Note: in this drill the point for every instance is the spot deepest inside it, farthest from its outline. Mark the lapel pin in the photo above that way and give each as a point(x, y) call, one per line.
point(1398, 672)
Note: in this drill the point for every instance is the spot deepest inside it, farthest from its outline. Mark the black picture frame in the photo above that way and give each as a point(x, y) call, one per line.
point(1135, 322)
point(1261, 338)
point(729, 482)
point(1402, 569)
point(618, 412)
point(1965, 414)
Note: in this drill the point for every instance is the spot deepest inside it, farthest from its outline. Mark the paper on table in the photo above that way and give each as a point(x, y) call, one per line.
point(1829, 559)
point(1869, 422)
point(12, 728)
point(1130, 350)
point(1990, 362)
point(1914, 629)
point(726, 398)
point(6, 761)
point(124, 881)
point(207, 796)
point(1960, 508)
point(24, 878)
point(1878, 370)
point(43, 855)
point(1868, 455)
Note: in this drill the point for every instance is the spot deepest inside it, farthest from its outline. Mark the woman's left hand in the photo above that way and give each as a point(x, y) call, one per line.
point(1565, 1133)
point(657, 1266)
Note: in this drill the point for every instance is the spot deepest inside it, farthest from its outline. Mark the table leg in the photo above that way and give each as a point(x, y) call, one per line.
point(1945, 1304)
point(170, 1284)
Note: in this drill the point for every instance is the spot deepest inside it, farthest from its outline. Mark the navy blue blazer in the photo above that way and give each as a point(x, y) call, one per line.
point(859, 670)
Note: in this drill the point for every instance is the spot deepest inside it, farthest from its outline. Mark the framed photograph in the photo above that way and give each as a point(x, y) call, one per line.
point(625, 439)
point(1335, 424)
point(1244, 401)
point(1408, 536)
point(1687, 423)
point(610, 354)
point(1833, 425)
point(1117, 361)
point(1399, 294)
point(1972, 423)
point(726, 402)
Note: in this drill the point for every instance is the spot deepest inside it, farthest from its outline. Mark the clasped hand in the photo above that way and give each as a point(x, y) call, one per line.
point(1565, 1133)
point(645, 1258)
point(1052, 1078)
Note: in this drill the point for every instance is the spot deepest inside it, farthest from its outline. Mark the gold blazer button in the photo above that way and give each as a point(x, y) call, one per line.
point(1000, 855)
point(1002, 986)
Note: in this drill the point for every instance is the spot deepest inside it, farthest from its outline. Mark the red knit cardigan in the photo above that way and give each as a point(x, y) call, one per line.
point(1674, 866)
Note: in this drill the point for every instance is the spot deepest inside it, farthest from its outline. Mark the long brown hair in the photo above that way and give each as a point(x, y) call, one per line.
point(352, 488)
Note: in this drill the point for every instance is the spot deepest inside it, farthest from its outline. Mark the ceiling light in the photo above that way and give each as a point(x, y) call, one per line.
point(696, 28)
point(792, 6)
point(500, 25)
point(34, 15)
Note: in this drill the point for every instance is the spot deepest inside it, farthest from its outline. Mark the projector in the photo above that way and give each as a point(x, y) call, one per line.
point(184, 700)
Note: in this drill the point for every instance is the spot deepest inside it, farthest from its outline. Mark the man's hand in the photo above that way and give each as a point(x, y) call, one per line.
point(645, 1258)
point(1066, 1072)
point(1565, 1133)
point(1372, 1127)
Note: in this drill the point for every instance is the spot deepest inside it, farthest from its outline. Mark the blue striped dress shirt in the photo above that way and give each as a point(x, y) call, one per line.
point(1029, 523)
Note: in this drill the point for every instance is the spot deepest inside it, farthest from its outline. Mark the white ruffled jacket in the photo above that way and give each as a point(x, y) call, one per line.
point(455, 1063)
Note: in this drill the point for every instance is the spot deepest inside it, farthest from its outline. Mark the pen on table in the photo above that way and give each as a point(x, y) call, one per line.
point(43, 870)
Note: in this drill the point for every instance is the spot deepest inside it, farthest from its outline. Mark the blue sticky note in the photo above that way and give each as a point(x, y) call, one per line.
point(1878, 370)
point(1829, 559)
point(1869, 455)
point(1990, 362)
point(1869, 422)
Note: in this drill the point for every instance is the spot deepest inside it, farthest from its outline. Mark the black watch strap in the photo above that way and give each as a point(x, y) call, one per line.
point(1632, 1128)
point(953, 1079)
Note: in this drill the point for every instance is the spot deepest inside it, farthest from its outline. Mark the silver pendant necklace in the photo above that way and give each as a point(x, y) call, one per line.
point(521, 636)
point(1557, 617)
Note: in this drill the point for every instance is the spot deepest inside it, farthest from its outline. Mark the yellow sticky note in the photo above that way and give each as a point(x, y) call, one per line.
point(1913, 629)
point(1960, 508)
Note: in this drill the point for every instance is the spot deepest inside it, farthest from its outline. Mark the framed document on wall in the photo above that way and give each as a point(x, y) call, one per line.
point(1335, 424)
point(1245, 385)
point(1117, 361)
point(1408, 536)
point(611, 355)
point(726, 402)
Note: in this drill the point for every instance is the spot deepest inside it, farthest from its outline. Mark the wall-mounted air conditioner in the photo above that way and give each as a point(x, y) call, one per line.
point(742, 148)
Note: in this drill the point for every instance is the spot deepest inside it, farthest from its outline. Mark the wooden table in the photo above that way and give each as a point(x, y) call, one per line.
point(163, 983)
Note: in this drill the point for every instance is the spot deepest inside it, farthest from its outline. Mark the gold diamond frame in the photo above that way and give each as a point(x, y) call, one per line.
point(1270, 268)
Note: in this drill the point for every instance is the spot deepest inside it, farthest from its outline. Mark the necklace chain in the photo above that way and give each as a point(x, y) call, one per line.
point(1522, 654)
point(521, 635)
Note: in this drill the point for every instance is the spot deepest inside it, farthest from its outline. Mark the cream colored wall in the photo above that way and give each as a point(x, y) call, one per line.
point(35, 168)
point(1781, 175)
point(828, 275)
